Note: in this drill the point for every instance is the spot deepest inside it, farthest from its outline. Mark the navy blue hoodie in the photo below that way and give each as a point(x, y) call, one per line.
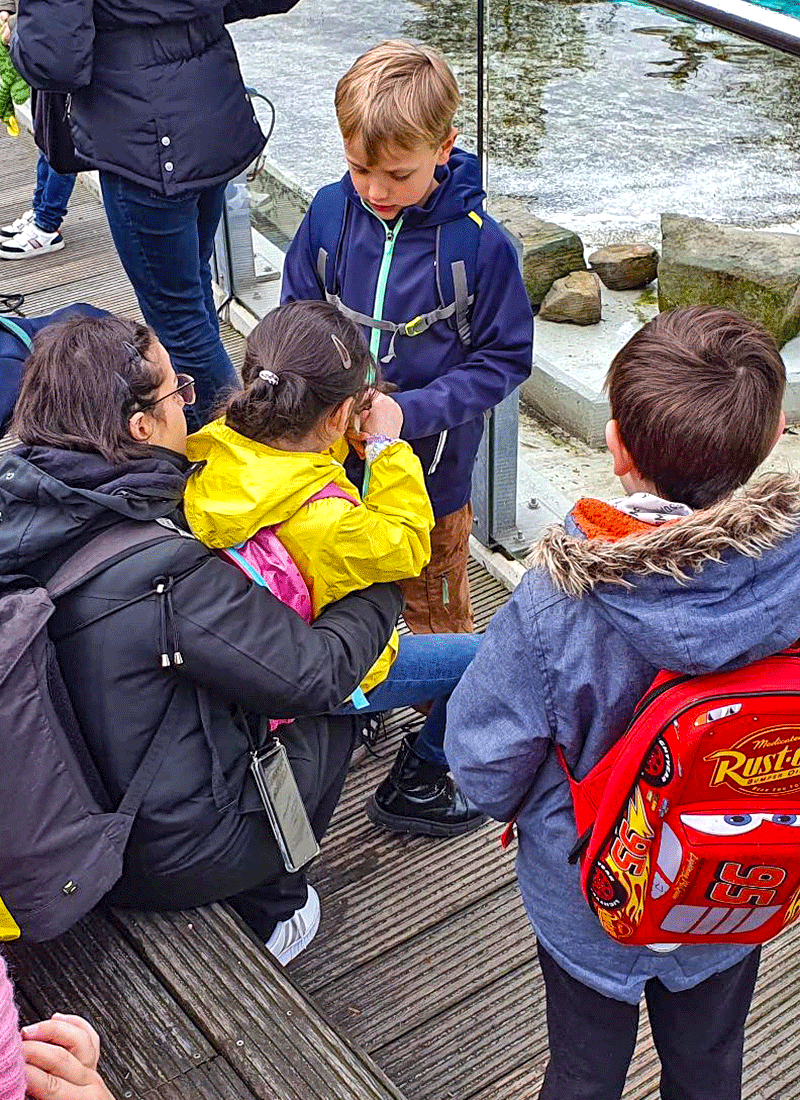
point(444, 387)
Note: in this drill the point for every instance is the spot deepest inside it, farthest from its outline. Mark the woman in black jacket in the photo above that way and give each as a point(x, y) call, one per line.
point(158, 105)
point(100, 416)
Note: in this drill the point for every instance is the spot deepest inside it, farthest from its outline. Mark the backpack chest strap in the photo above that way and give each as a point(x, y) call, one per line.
point(417, 325)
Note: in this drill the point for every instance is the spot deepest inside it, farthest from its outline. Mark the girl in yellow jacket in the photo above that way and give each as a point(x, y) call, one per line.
point(273, 466)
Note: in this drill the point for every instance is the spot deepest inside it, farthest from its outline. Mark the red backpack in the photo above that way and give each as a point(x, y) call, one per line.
point(689, 827)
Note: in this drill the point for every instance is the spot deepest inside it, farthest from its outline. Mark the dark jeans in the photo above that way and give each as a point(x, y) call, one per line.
point(52, 194)
point(250, 875)
point(698, 1035)
point(165, 244)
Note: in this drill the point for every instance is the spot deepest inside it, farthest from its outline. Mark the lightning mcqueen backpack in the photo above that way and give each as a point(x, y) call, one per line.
point(689, 827)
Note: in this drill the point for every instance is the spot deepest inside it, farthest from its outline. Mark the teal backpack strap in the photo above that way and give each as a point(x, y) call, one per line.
point(16, 330)
point(456, 266)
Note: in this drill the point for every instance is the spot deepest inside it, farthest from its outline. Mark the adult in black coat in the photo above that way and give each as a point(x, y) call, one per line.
point(101, 418)
point(159, 106)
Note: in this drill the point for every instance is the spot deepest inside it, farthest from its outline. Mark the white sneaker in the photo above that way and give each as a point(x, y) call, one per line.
point(295, 934)
point(17, 225)
point(30, 241)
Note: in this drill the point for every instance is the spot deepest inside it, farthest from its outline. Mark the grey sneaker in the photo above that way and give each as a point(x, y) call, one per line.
point(295, 934)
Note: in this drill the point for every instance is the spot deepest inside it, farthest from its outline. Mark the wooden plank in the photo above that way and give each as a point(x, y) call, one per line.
point(394, 887)
point(213, 1081)
point(426, 976)
point(92, 971)
point(473, 1045)
point(250, 1010)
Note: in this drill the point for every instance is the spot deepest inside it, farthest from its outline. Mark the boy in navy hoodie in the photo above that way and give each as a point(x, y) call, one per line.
point(693, 570)
point(402, 245)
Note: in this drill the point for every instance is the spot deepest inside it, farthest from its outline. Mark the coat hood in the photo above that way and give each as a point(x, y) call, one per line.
point(718, 589)
point(52, 501)
point(243, 486)
point(460, 190)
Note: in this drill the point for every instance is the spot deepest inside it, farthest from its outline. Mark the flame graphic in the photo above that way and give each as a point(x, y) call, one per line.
point(635, 878)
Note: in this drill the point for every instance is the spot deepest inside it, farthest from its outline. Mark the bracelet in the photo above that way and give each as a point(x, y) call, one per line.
point(374, 444)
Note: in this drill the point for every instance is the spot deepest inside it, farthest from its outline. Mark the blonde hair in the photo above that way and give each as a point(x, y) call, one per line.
point(397, 95)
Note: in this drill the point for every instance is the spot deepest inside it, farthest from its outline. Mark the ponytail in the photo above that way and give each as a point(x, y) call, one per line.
point(301, 362)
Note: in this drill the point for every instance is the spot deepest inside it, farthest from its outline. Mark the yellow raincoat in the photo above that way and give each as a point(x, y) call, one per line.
point(337, 547)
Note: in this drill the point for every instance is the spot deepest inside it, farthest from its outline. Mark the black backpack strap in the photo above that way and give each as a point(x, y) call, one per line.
point(105, 549)
point(173, 722)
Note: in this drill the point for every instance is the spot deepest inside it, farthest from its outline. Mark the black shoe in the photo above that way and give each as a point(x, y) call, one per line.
point(418, 796)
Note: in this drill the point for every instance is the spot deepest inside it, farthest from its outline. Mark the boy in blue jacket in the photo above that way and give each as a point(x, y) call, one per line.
point(401, 244)
point(615, 595)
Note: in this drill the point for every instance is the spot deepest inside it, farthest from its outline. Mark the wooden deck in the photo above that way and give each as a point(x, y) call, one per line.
point(424, 959)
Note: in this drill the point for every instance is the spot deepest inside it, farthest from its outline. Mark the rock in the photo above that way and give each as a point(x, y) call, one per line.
point(625, 266)
point(751, 270)
point(574, 299)
point(548, 250)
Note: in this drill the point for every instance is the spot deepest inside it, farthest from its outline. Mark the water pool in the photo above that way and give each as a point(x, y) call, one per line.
point(601, 115)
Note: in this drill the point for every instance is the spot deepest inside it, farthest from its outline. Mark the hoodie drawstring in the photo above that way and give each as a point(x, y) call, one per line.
point(168, 630)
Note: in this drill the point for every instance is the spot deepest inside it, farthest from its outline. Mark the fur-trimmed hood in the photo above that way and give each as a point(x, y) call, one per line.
point(719, 588)
point(752, 520)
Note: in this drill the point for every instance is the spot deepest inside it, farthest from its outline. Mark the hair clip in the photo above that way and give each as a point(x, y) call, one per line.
point(269, 376)
point(344, 354)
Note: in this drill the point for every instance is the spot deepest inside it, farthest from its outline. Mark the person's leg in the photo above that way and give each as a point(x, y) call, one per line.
point(419, 795)
point(699, 1033)
point(438, 601)
point(427, 666)
point(158, 239)
point(320, 756)
point(210, 207)
point(591, 1038)
point(51, 198)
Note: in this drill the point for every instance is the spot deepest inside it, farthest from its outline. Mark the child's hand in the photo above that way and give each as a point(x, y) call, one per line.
point(61, 1057)
point(383, 417)
point(5, 28)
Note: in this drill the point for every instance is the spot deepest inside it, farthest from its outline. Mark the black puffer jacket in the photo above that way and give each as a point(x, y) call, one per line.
point(157, 95)
point(237, 641)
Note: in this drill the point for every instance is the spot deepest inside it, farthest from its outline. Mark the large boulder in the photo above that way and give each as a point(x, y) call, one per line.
point(574, 300)
point(625, 266)
point(549, 251)
point(750, 270)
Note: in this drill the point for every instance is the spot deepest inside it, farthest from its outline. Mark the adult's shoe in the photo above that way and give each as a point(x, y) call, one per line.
point(17, 225)
point(30, 242)
point(292, 936)
point(419, 796)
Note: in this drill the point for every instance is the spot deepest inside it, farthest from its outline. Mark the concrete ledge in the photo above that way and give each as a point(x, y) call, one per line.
point(566, 401)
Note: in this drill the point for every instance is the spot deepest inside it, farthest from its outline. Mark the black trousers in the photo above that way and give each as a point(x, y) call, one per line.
point(698, 1034)
point(250, 875)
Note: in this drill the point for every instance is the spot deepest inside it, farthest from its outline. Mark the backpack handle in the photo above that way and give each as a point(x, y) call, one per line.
point(103, 550)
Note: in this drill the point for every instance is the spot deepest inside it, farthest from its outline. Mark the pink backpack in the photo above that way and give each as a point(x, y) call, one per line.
point(266, 560)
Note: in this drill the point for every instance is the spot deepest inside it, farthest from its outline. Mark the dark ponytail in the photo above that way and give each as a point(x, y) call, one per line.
point(294, 371)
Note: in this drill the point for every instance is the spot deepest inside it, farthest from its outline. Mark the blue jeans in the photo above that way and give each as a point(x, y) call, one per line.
point(428, 666)
point(165, 244)
point(51, 196)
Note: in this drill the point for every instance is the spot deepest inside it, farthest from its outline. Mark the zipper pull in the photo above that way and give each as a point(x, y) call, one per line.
point(389, 237)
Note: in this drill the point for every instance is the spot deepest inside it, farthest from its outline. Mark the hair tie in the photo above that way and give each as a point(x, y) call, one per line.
point(269, 376)
point(344, 354)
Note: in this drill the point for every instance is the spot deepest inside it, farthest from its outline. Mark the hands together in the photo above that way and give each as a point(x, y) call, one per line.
point(61, 1057)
